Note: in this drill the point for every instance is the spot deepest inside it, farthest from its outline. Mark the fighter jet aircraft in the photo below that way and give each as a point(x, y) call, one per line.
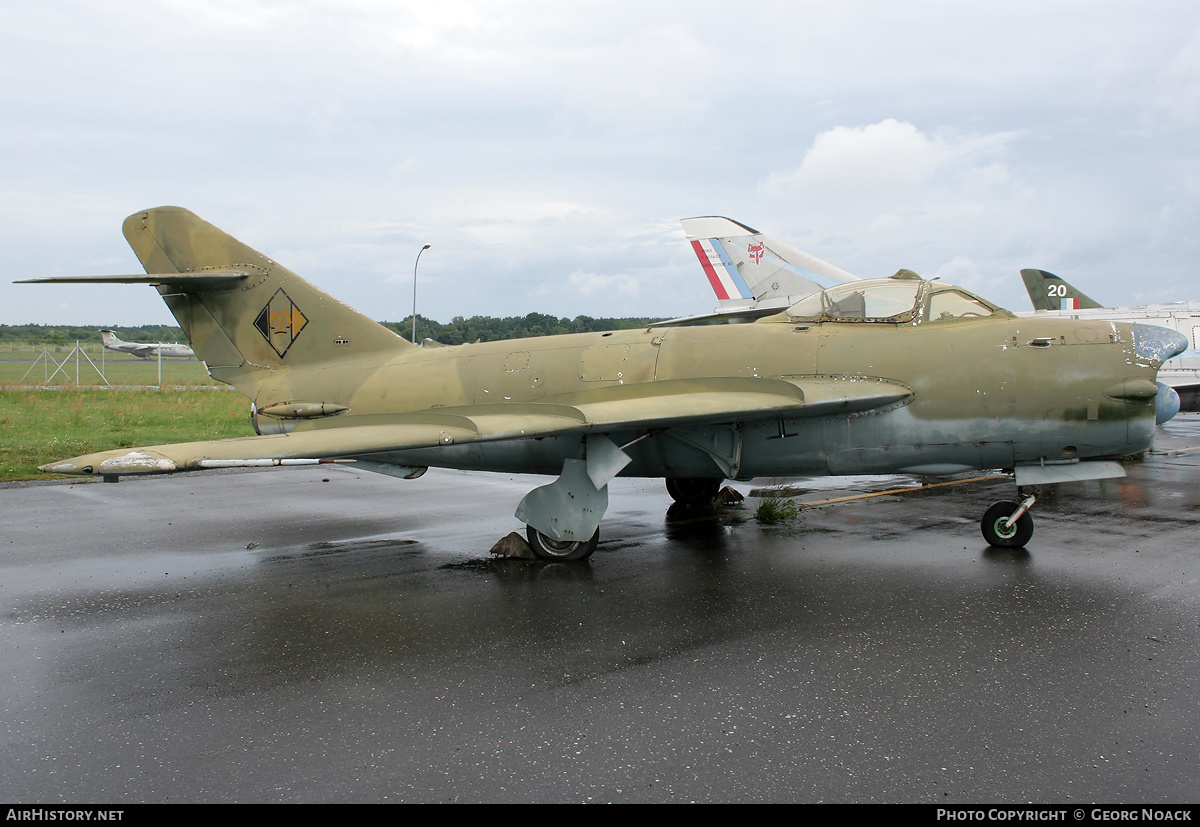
point(1054, 296)
point(790, 275)
point(881, 376)
point(143, 350)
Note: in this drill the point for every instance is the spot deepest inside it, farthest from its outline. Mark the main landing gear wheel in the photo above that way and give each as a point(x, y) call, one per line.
point(693, 490)
point(997, 534)
point(560, 551)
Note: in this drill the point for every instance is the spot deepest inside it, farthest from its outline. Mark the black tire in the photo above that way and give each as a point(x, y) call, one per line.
point(693, 490)
point(545, 548)
point(992, 526)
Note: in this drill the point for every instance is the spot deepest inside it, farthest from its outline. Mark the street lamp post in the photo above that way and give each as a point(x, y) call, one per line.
point(415, 263)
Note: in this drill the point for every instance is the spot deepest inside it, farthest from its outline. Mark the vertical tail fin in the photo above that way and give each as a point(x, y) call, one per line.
point(244, 313)
point(1048, 292)
point(746, 266)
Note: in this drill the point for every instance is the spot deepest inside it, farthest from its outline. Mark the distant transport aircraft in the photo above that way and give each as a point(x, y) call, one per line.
point(760, 270)
point(883, 376)
point(144, 350)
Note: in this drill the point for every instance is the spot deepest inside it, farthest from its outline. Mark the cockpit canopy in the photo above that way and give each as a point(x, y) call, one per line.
point(905, 297)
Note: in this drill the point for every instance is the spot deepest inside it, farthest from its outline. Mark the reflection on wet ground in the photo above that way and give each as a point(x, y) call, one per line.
point(269, 636)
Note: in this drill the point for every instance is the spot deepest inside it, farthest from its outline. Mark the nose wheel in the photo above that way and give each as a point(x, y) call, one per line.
point(1007, 524)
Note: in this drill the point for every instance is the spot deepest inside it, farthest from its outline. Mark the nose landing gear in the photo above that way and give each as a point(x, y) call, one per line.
point(1007, 524)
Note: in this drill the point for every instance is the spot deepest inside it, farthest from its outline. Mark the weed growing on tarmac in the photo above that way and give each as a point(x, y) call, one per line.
point(775, 510)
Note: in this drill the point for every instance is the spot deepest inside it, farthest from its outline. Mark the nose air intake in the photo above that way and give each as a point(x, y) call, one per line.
point(1166, 403)
point(1158, 344)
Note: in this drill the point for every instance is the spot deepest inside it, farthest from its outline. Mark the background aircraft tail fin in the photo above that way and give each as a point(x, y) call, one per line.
point(746, 266)
point(1048, 292)
point(244, 314)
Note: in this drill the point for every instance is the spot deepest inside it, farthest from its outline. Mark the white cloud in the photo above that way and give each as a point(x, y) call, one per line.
point(892, 157)
point(944, 203)
point(531, 140)
point(606, 284)
point(1178, 94)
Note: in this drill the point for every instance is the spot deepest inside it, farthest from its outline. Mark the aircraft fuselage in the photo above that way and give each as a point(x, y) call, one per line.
point(986, 393)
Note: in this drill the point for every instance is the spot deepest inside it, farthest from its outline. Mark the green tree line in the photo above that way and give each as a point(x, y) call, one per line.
point(490, 328)
point(456, 332)
point(59, 334)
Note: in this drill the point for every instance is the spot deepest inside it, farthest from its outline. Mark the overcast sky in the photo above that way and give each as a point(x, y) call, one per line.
point(547, 149)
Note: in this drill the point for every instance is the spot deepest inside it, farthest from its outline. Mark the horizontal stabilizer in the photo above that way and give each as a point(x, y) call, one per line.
point(207, 280)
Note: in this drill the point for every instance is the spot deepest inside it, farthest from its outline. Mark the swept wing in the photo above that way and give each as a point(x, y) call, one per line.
point(640, 406)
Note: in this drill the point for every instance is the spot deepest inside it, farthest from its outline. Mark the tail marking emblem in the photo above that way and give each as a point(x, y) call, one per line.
point(280, 322)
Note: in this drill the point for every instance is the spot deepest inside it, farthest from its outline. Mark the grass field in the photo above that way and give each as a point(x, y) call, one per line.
point(39, 426)
point(33, 367)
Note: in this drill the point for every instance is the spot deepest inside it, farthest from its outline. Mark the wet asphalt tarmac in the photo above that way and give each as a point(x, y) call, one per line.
point(332, 635)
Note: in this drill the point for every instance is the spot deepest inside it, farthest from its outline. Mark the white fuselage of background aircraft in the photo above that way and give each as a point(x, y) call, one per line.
point(145, 350)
